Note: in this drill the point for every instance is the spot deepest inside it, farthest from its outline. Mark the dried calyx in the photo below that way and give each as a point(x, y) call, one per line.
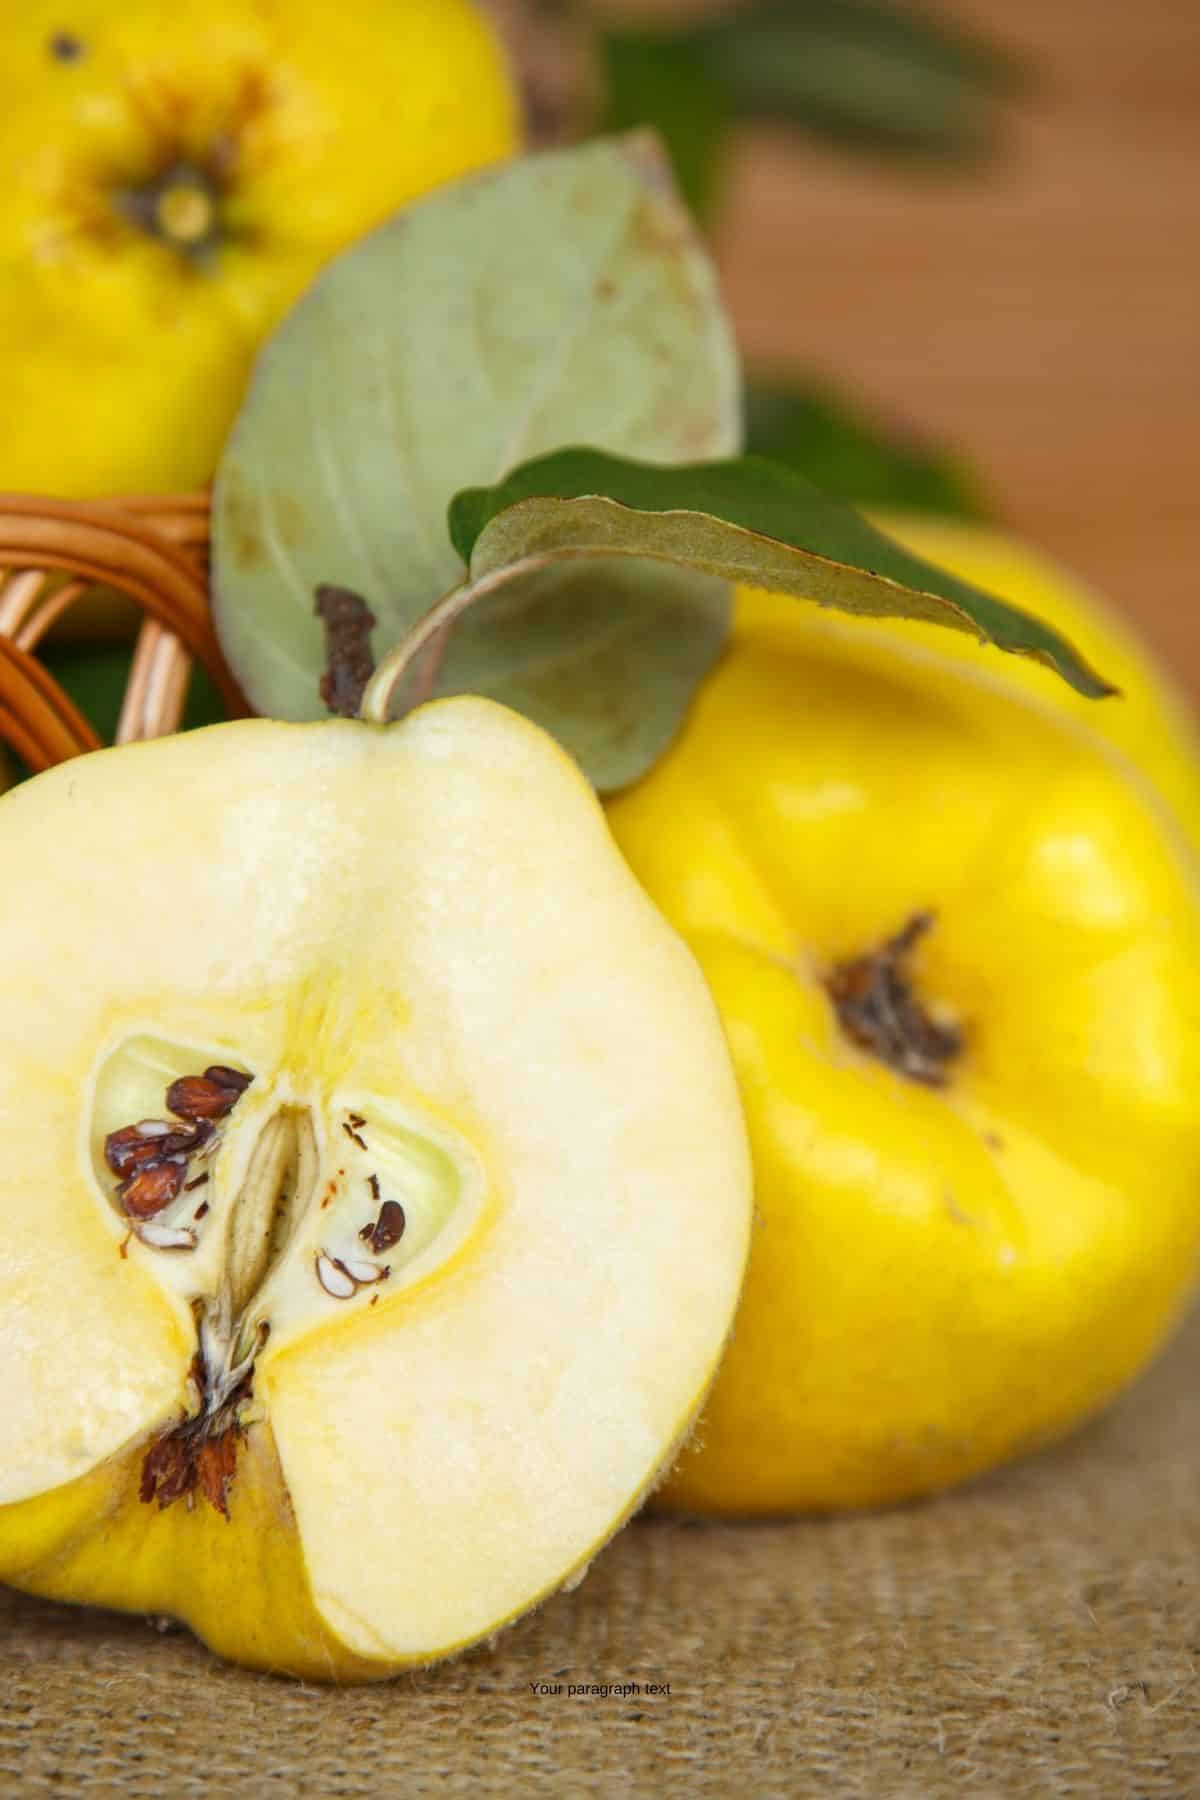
point(180, 207)
point(879, 1010)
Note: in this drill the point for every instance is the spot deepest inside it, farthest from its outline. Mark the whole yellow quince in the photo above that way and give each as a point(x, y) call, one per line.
point(955, 941)
point(174, 177)
point(1150, 721)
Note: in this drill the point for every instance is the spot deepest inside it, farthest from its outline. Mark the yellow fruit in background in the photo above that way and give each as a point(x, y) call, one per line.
point(956, 945)
point(175, 176)
point(1150, 720)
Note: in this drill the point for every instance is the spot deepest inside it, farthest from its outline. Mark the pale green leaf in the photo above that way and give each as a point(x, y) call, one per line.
point(604, 654)
point(561, 296)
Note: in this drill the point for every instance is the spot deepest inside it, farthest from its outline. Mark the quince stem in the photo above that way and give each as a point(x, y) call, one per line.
point(420, 652)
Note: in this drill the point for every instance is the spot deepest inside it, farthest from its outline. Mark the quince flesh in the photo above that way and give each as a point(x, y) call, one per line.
point(175, 176)
point(374, 1194)
point(956, 945)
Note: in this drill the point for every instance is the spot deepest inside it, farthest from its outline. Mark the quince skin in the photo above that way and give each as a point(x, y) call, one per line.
point(956, 945)
point(1149, 720)
point(174, 176)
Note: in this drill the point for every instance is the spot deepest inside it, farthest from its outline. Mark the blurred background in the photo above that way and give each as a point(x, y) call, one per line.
point(981, 226)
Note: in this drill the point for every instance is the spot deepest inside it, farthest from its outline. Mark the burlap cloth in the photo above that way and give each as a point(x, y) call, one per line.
point(1037, 1633)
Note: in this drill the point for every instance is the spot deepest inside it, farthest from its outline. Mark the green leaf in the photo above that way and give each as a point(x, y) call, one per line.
point(745, 520)
point(667, 80)
point(562, 295)
point(846, 451)
point(866, 75)
point(604, 653)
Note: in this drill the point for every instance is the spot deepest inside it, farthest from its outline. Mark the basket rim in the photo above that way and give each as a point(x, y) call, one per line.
point(54, 552)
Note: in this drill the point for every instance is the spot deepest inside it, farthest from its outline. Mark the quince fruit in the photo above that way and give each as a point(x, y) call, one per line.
point(1150, 721)
point(174, 178)
point(374, 1193)
point(956, 945)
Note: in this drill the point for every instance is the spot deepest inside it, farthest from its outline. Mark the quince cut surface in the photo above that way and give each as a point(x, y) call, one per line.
point(955, 941)
point(175, 176)
point(373, 1187)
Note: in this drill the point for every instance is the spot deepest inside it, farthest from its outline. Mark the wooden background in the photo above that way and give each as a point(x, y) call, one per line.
point(1044, 316)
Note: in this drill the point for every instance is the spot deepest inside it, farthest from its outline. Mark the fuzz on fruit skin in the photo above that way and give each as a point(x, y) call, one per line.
point(946, 1270)
point(298, 125)
point(1149, 719)
point(239, 1583)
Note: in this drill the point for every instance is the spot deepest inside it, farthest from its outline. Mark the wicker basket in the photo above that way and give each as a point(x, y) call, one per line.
point(52, 553)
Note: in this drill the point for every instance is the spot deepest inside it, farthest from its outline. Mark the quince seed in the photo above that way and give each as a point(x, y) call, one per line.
point(363, 1274)
point(166, 1237)
point(335, 1278)
point(151, 1189)
point(388, 1229)
point(203, 1096)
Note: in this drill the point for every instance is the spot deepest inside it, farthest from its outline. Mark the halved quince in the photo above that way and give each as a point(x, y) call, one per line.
point(373, 1187)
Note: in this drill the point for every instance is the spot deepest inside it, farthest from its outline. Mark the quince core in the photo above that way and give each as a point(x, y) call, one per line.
point(373, 1187)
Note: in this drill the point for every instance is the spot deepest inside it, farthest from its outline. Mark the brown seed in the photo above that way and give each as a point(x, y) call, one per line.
point(150, 1190)
point(228, 1078)
point(389, 1228)
point(151, 1140)
point(351, 1133)
point(127, 1149)
point(197, 1097)
point(178, 1145)
point(373, 1184)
